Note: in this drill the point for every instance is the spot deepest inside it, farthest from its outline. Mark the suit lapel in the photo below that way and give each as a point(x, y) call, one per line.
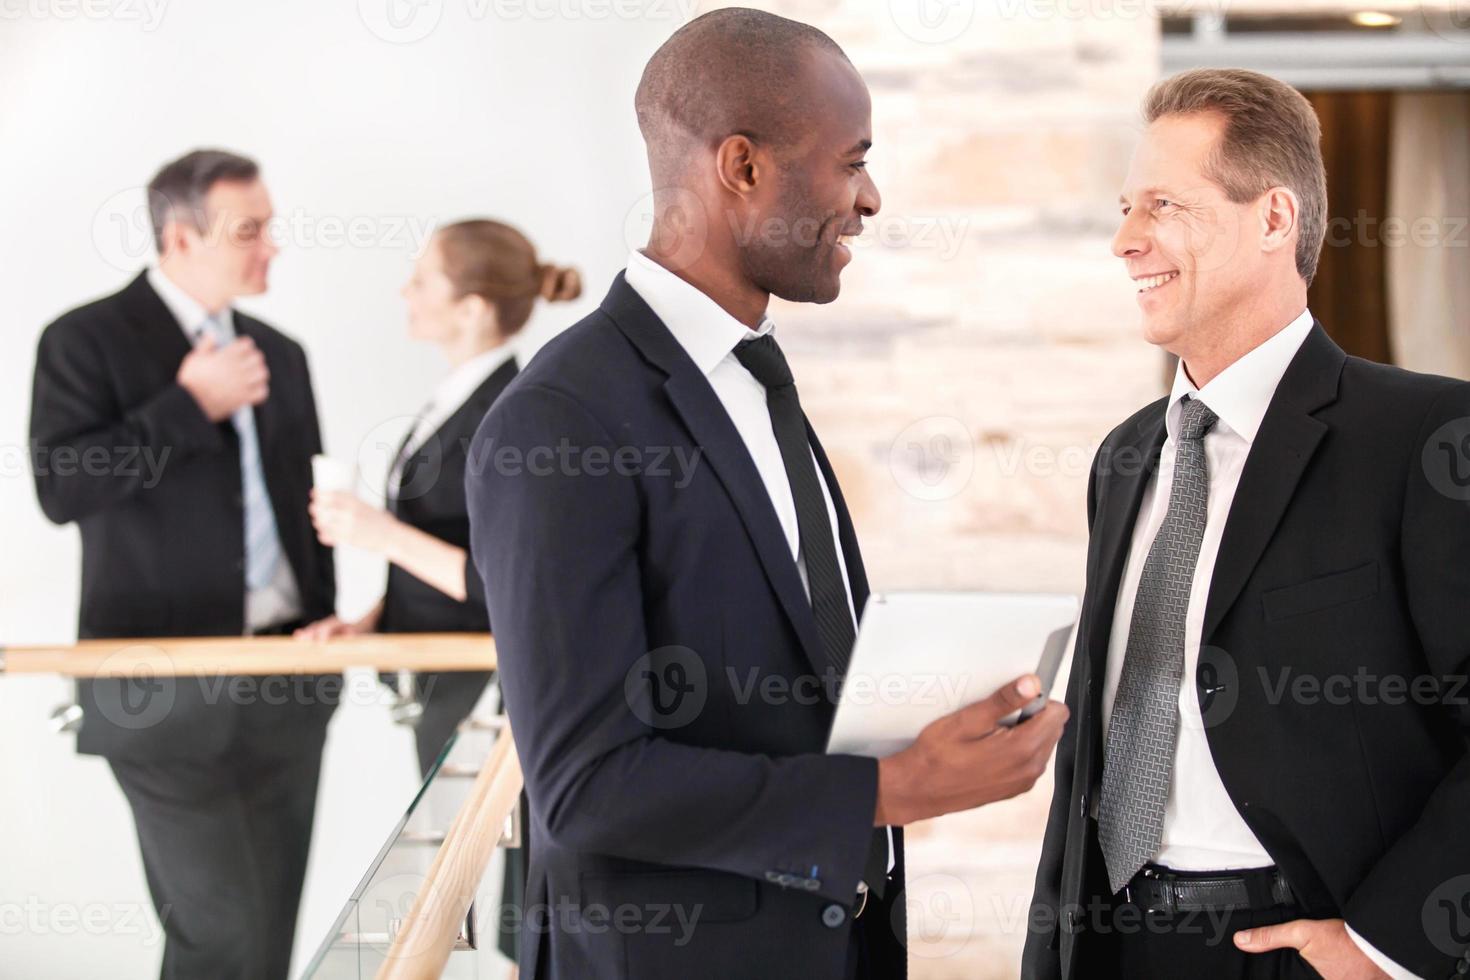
point(1125, 476)
point(159, 333)
point(1283, 448)
point(722, 448)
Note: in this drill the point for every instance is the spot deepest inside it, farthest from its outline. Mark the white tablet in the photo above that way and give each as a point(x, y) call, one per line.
point(921, 655)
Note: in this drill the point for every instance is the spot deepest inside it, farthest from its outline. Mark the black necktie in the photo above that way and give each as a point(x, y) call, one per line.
point(763, 359)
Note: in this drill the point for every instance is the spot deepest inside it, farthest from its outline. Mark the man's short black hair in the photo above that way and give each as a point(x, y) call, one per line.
point(732, 70)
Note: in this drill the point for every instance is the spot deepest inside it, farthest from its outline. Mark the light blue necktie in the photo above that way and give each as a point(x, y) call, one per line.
point(262, 540)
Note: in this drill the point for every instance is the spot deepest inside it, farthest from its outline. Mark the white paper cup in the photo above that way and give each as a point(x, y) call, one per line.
point(331, 474)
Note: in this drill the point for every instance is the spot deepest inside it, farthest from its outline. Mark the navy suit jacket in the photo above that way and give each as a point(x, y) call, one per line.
point(659, 659)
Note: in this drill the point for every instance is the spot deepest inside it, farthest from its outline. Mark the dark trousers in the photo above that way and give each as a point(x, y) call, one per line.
point(877, 947)
point(224, 845)
point(1126, 943)
point(1199, 945)
point(448, 698)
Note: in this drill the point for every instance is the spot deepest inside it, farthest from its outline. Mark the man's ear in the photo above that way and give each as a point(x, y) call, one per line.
point(173, 240)
point(1279, 211)
point(740, 164)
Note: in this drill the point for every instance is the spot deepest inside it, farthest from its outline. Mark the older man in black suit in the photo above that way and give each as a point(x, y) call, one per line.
point(177, 433)
point(1277, 560)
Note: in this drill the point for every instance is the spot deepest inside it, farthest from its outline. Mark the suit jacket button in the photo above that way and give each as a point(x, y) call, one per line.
point(833, 916)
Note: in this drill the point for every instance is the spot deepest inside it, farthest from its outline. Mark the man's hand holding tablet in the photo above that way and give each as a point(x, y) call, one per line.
point(968, 758)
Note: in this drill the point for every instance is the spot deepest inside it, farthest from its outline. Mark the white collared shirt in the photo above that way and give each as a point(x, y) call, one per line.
point(1203, 831)
point(190, 313)
point(709, 336)
point(449, 396)
point(279, 600)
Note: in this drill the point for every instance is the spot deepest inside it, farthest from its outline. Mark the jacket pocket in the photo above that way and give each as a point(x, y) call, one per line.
point(1322, 592)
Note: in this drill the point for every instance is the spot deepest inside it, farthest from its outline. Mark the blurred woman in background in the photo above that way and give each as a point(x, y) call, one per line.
point(471, 291)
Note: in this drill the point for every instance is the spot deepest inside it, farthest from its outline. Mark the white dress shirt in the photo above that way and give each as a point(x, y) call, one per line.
point(279, 600)
point(709, 335)
point(1203, 831)
point(449, 396)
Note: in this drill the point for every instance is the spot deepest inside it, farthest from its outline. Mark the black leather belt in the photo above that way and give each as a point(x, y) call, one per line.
point(1160, 891)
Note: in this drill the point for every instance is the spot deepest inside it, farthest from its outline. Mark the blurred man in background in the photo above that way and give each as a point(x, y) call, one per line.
point(177, 433)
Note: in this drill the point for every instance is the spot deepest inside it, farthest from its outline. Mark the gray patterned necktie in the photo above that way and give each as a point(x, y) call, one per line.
point(1144, 727)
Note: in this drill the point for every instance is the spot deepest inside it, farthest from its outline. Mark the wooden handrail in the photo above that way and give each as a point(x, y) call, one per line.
point(422, 945)
point(214, 655)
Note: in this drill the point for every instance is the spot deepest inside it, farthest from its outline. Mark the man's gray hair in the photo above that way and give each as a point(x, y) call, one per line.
point(1272, 139)
point(177, 192)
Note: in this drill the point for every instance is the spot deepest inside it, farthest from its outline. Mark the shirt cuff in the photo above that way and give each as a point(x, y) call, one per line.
point(1383, 963)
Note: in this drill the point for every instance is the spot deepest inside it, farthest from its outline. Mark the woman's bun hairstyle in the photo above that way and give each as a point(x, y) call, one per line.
point(560, 283)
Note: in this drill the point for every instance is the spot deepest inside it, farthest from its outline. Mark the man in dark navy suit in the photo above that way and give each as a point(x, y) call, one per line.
point(672, 572)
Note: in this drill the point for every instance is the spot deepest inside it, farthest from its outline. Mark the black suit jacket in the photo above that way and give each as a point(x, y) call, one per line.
point(155, 489)
point(431, 497)
point(1344, 555)
point(653, 633)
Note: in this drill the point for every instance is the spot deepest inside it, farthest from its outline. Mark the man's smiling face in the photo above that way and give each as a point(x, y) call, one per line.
point(1191, 252)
